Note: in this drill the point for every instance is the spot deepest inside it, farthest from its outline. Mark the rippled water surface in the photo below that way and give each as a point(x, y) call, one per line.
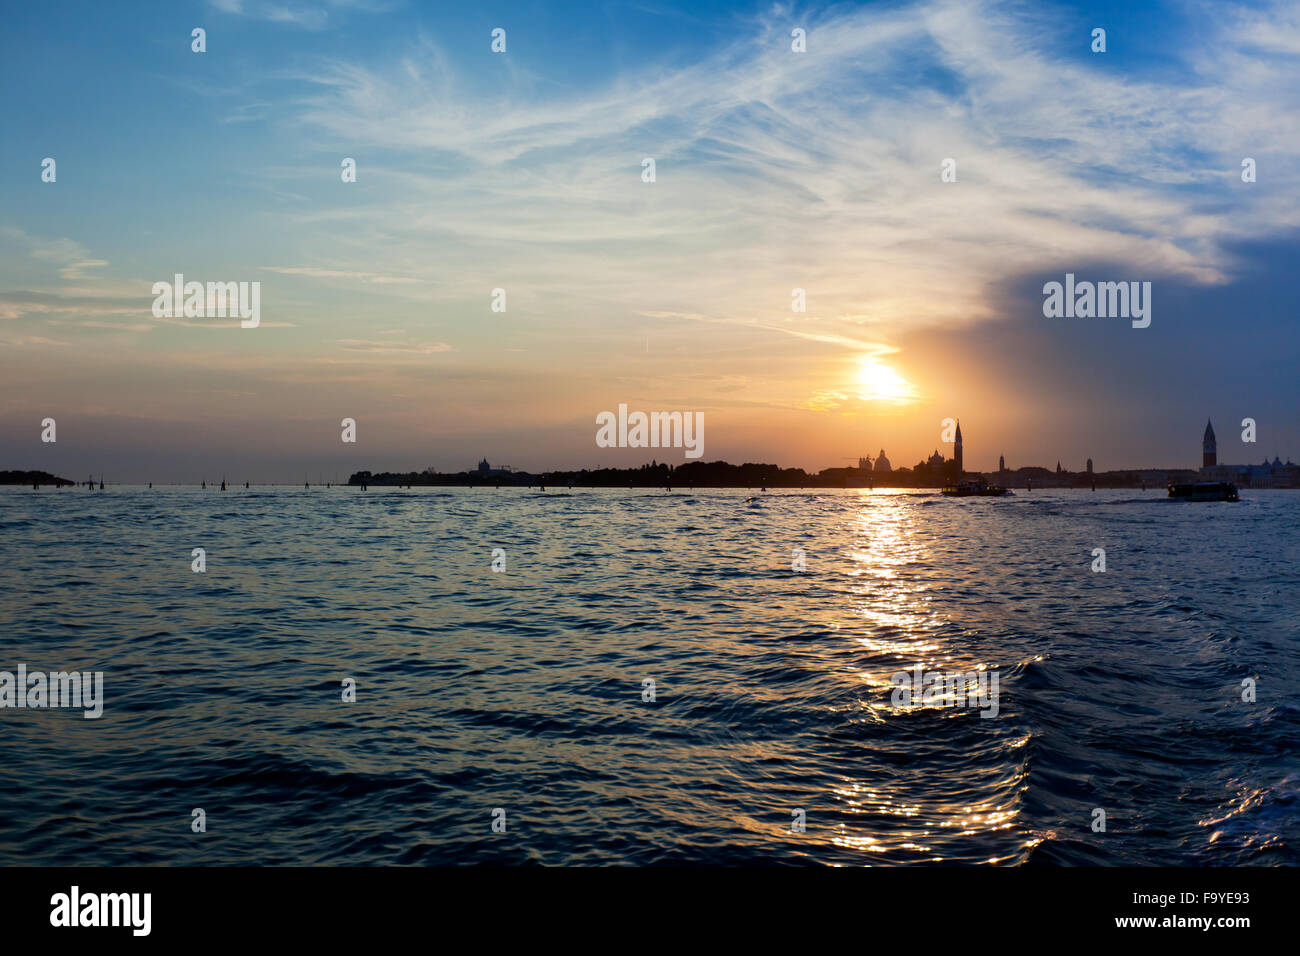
point(523, 690)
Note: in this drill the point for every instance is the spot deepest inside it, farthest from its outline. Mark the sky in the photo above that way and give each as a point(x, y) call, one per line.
point(775, 170)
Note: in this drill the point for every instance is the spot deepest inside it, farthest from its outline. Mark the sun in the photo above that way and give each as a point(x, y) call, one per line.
point(880, 383)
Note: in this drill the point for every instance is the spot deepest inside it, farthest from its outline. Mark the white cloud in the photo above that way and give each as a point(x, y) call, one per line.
point(393, 348)
point(314, 273)
point(821, 170)
point(308, 16)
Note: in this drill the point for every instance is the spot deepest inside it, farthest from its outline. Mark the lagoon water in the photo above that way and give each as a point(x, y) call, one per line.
point(523, 689)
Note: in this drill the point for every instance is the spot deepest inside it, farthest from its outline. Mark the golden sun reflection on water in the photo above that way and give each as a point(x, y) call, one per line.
point(892, 613)
point(885, 543)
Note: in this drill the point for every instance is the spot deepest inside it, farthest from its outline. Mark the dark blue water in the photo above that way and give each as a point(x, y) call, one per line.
point(523, 690)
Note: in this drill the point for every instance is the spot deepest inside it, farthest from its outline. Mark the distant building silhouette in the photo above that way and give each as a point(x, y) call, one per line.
point(1274, 474)
point(1268, 474)
point(956, 449)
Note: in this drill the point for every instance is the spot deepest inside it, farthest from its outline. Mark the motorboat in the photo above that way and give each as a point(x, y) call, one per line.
point(975, 488)
point(1204, 491)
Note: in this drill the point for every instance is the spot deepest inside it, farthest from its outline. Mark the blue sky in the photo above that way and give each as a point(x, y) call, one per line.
point(521, 170)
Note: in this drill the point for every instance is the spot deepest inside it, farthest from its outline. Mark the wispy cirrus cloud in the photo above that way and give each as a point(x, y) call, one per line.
point(315, 273)
point(307, 16)
point(820, 170)
point(392, 347)
point(18, 303)
point(21, 341)
point(72, 260)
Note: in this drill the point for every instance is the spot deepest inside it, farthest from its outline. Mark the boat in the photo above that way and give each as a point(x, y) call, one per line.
point(975, 488)
point(1204, 491)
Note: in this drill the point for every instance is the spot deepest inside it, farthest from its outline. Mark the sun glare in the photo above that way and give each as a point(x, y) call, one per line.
point(881, 383)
